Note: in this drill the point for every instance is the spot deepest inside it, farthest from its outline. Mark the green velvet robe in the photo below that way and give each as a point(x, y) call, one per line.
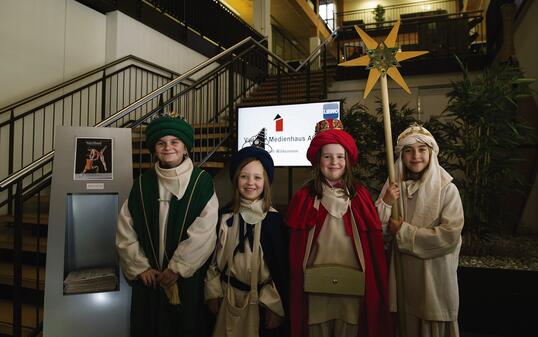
point(151, 314)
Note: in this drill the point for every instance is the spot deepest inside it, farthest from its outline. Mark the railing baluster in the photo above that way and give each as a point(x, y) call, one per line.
point(11, 153)
point(37, 232)
point(278, 85)
point(231, 96)
point(23, 138)
point(17, 262)
point(88, 123)
point(324, 92)
point(71, 112)
point(308, 82)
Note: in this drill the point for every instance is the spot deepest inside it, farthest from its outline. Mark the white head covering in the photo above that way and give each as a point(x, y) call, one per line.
point(432, 182)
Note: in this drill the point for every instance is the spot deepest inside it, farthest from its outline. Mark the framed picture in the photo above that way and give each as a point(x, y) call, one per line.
point(93, 159)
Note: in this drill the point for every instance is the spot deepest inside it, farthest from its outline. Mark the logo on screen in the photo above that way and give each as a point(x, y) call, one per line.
point(331, 111)
point(279, 123)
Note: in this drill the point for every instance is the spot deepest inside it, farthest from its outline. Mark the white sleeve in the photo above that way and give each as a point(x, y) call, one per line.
point(132, 258)
point(194, 251)
point(427, 243)
point(213, 286)
point(384, 210)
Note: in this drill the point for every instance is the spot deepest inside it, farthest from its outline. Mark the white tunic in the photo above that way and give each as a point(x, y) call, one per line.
point(190, 253)
point(240, 269)
point(333, 246)
point(429, 255)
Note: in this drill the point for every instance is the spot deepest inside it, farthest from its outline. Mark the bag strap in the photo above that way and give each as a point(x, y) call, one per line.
point(157, 262)
point(356, 239)
point(310, 239)
point(187, 209)
point(254, 265)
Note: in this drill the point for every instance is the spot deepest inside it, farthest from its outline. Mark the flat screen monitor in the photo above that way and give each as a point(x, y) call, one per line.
point(285, 131)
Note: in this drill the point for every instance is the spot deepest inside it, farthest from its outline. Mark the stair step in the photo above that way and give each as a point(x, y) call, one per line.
point(32, 219)
point(194, 149)
point(283, 100)
point(28, 318)
point(213, 164)
point(207, 164)
point(198, 136)
point(29, 275)
point(223, 124)
point(29, 242)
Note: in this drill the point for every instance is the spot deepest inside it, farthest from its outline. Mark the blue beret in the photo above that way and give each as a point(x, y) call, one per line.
point(252, 152)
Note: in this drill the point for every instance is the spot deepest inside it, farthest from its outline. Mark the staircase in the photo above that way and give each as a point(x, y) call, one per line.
point(34, 245)
point(292, 88)
point(244, 74)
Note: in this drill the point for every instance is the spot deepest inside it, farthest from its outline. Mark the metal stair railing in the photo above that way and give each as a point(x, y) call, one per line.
point(27, 127)
point(208, 103)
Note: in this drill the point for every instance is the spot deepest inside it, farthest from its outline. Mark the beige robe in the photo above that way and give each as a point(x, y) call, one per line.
point(190, 253)
point(429, 262)
point(240, 269)
point(330, 314)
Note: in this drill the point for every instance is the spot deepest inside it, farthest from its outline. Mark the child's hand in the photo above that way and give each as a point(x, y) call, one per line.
point(391, 194)
point(149, 277)
point(214, 305)
point(395, 225)
point(272, 320)
point(167, 278)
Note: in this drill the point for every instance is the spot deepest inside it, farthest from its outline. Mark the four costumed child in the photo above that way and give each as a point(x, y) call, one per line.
point(335, 258)
point(337, 264)
point(246, 284)
point(428, 236)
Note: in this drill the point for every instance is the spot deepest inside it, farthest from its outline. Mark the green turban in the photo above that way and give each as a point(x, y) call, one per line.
point(169, 126)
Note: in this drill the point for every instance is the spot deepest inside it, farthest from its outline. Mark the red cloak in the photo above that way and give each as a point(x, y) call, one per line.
point(374, 320)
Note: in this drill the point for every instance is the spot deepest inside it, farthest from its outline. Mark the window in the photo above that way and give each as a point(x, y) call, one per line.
point(326, 12)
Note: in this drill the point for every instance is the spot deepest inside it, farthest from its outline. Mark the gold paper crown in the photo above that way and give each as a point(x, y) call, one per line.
point(163, 113)
point(329, 124)
point(414, 128)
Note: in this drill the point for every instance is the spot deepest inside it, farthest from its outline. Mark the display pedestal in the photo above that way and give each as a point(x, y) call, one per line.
point(85, 291)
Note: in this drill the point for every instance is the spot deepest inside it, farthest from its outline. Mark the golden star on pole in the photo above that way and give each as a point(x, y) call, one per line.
point(382, 58)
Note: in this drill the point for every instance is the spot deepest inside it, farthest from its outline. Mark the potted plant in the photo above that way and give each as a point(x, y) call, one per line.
point(367, 129)
point(379, 15)
point(480, 133)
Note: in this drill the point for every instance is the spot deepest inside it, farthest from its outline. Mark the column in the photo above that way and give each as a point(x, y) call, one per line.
point(261, 16)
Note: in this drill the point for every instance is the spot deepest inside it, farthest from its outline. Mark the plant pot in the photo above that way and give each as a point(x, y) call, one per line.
point(499, 302)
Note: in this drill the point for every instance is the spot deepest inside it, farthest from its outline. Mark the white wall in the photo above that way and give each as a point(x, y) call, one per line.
point(45, 43)
point(126, 36)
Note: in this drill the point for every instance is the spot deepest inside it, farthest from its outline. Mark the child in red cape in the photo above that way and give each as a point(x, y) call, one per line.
point(333, 222)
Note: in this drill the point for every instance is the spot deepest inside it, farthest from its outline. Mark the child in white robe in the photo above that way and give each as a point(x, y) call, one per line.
point(427, 236)
point(228, 285)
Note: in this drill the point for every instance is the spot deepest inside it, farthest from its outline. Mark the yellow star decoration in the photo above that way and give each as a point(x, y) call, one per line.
point(382, 58)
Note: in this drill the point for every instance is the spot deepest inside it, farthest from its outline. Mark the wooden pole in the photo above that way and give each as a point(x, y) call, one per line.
point(400, 298)
point(388, 137)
